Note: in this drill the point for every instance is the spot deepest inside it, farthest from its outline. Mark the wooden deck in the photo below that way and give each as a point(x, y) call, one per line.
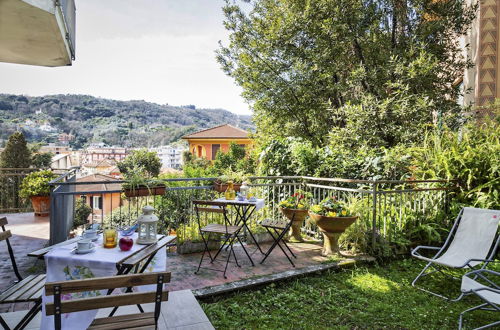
point(181, 312)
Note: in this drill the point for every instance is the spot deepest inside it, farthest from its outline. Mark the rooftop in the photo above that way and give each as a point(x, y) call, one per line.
point(219, 132)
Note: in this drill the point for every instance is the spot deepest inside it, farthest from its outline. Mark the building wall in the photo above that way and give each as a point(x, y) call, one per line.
point(483, 79)
point(207, 144)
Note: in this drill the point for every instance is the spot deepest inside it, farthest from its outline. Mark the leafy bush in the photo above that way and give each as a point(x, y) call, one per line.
point(148, 160)
point(37, 184)
point(82, 212)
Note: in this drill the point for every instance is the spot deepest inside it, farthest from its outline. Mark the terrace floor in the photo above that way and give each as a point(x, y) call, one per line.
point(31, 233)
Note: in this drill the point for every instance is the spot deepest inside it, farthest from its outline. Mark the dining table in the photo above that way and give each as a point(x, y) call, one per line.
point(244, 211)
point(64, 263)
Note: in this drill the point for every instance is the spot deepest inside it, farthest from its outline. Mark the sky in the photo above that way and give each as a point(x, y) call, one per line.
point(160, 51)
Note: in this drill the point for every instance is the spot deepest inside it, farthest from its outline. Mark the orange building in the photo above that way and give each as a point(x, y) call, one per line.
point(101, 196)
point(208, 142)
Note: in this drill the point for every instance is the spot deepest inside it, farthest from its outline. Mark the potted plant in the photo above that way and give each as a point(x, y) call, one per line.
point(138, 183)
point(332, 218)
point(295, 207)
point(220, 184)
point(36, 187)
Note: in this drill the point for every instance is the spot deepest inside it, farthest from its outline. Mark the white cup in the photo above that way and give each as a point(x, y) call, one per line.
point(84, 244)
point(90, 234)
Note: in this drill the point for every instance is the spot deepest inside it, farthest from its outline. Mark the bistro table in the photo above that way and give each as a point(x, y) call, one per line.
point(64, 264)
point(244, 211)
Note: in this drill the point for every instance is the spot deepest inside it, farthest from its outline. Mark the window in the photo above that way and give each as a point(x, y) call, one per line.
point(215, 150)
point(96, 202)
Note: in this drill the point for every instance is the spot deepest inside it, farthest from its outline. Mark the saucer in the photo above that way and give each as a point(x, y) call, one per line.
point(92, 249)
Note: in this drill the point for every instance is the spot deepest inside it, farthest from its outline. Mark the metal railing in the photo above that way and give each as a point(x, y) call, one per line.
point(10, 182)
point(386, 208)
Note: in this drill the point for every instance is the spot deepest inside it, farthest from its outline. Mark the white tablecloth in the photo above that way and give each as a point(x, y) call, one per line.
point(259, 203)
point(64, 264)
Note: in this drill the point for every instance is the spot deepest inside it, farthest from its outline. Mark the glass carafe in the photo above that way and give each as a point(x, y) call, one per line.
point(230, 194)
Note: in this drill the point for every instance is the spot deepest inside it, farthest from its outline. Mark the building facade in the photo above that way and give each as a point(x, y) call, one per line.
point(206, 143)
point(482, 82)
point(170, 156)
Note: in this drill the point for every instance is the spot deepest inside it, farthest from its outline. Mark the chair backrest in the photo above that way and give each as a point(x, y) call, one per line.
point(210, 207)
point(475, 235)
point(58, 307)
point(4, 236)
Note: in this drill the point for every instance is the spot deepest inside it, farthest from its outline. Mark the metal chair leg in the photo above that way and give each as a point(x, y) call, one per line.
point(246, 252)
point(31, 314)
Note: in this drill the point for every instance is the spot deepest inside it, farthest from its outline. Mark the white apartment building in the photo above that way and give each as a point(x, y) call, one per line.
point(170, 156)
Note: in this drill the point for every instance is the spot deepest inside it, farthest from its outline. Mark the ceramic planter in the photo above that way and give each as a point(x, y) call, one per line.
point(192, 247)
point(332, 228)
point(41, 205)
point(222, 187)
point(298, 217)
point(145, 191)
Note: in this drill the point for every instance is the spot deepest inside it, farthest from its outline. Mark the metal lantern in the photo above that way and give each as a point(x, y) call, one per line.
point(244, 189)
point(148, 226)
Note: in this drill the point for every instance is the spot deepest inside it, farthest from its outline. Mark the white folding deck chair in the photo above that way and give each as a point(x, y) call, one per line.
point(472, 283)
point(471, 244)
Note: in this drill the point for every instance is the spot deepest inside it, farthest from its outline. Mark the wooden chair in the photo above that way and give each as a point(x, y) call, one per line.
point(26, 290)
point(132, 321)
point(227, 232)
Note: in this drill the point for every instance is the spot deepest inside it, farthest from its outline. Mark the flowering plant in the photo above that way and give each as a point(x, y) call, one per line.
point(330, 207)
point(298, 201)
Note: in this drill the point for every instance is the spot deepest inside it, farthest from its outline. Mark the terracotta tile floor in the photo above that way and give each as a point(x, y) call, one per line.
point(184, 266)
point(31, 233)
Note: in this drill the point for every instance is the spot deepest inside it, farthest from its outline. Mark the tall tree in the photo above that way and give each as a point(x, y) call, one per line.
point(16, 153)
point(376, 70)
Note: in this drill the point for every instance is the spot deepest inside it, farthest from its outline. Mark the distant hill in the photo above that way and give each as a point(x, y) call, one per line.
point(92, 119)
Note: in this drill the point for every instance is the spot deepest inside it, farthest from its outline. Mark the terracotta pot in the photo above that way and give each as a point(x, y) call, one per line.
point(298, 220)
point(41, 205)
point(332, 228)
point(145, 191)
point(222, 187)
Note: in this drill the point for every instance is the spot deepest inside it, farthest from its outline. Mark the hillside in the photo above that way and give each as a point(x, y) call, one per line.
point(91, 119)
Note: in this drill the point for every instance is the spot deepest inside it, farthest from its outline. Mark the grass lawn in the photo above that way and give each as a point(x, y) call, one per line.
point(358, 298)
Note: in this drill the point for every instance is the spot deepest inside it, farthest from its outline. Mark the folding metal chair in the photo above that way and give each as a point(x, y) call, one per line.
point(226, 232)
point(489, 292)
point(280, 227)
point(472, 244)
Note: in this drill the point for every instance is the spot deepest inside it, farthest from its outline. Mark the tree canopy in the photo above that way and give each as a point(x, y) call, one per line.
point(372, 70)
point(146, 160)
point(16, 153)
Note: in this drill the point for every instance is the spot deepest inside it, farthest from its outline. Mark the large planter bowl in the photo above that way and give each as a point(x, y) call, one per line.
point(145, 191)
point(332, 228)
point(222, 187)
point(41, 205)
point(298, 217)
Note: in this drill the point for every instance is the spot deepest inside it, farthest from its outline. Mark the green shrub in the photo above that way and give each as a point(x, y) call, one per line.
point(82, 212)
point(37, 184)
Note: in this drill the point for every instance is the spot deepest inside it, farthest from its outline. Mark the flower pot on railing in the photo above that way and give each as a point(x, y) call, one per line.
point(41, 205)
point(332, 228)
point(298, 217)
point(222, 187)
point(145, 191)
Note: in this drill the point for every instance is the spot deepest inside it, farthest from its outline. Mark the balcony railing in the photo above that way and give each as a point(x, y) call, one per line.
point(386, 208)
